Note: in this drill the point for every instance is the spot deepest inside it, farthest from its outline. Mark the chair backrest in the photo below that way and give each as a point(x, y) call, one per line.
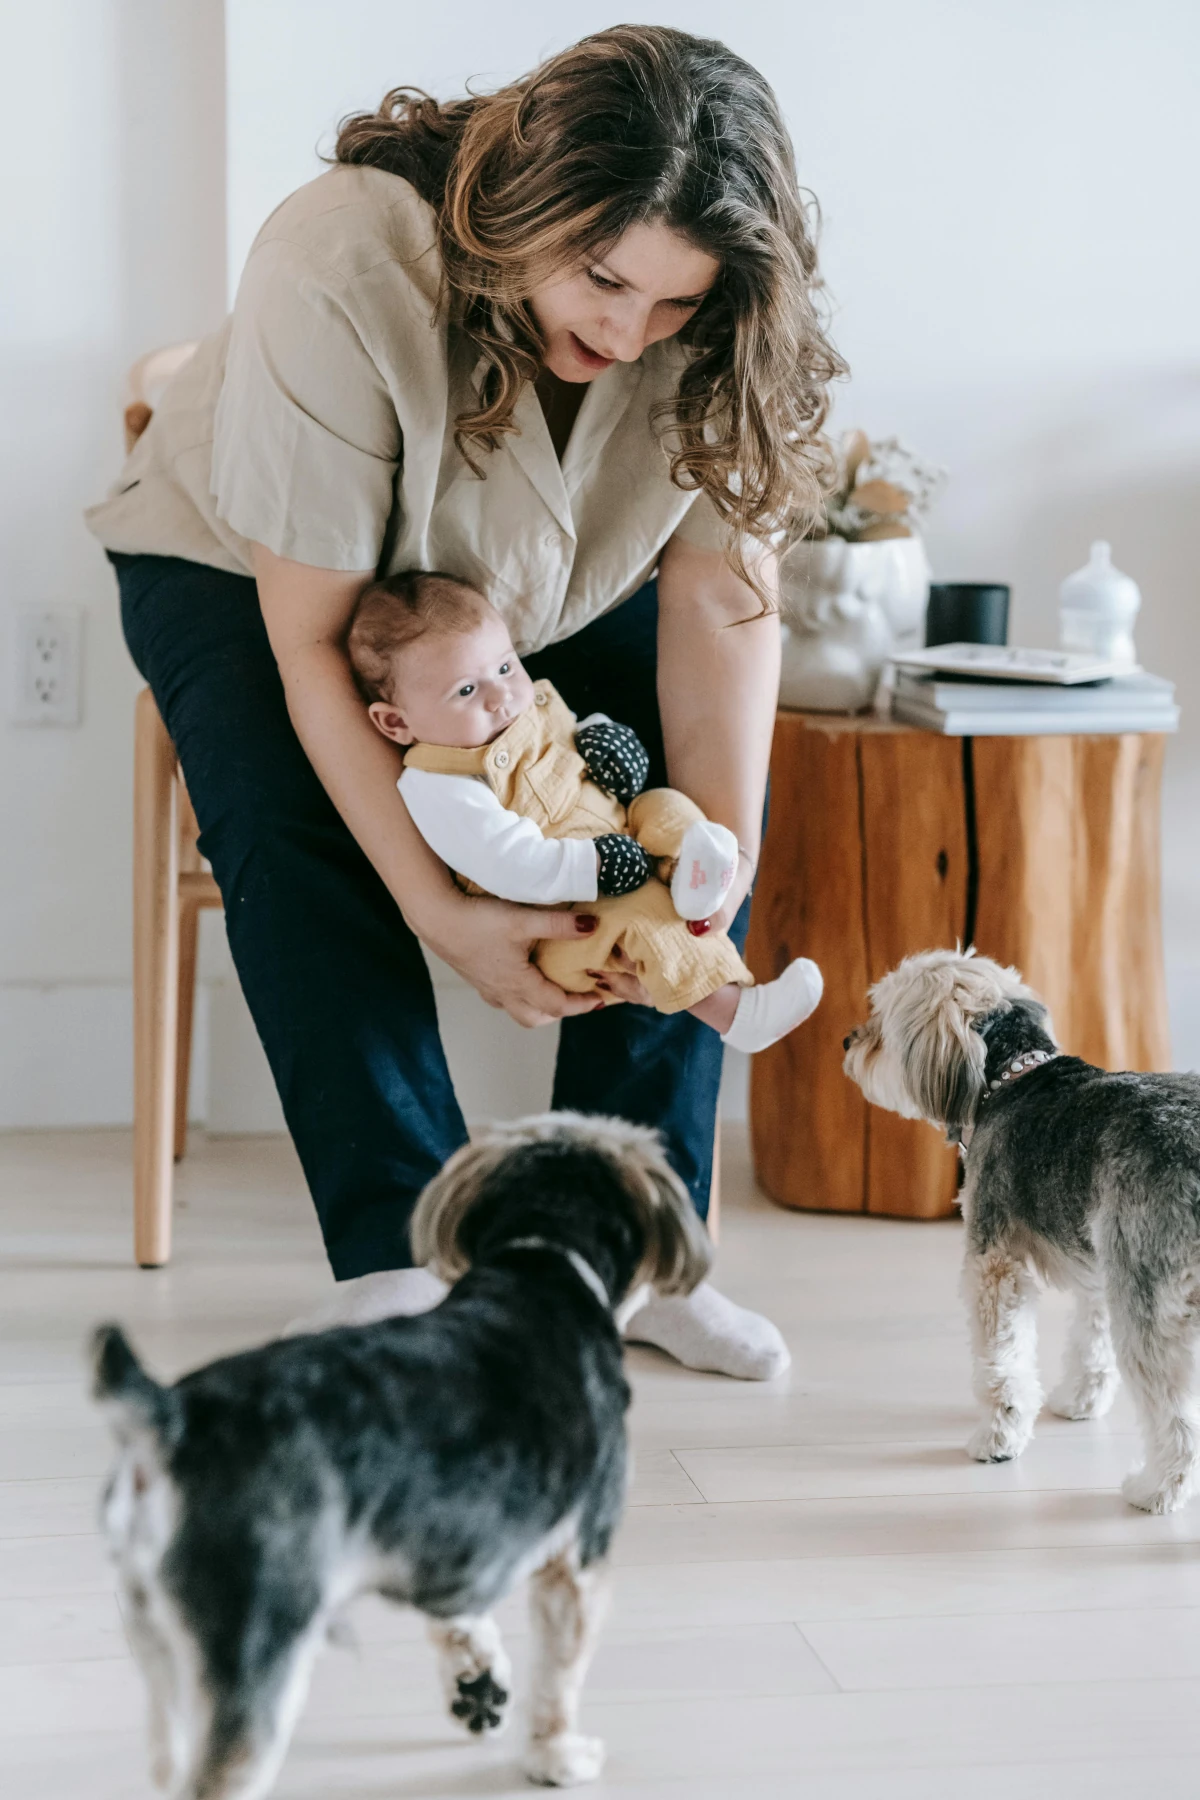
point(145, 383)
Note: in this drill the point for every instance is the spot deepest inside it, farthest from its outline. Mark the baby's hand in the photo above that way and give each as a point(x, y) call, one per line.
point(621, 982)
point(621, 865)
point(616, 759)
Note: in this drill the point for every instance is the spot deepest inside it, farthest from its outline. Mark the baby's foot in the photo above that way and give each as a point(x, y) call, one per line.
point(767, 1013)
point(705, 870)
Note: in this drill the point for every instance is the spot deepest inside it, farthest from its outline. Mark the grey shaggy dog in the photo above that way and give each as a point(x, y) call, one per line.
point(435, 1460)
point(1075, 1176)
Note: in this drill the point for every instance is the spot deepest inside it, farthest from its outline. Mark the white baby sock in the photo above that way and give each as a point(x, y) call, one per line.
point(706, 868)
point(704, 1330)
point(387, 1294)
point(767, 1013)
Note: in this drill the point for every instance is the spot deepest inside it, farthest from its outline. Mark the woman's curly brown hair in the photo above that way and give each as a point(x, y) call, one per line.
point(636, 125)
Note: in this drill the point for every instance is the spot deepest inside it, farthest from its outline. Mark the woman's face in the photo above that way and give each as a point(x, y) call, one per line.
point(645, 287)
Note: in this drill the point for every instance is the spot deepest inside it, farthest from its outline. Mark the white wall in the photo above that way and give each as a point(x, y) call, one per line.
point(1008, 194)
point(112, 196)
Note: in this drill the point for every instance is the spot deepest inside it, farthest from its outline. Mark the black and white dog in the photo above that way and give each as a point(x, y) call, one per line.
point(436, 1460)
point(1085, 1179)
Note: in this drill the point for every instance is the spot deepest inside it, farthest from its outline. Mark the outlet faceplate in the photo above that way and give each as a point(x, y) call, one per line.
point(47, 665)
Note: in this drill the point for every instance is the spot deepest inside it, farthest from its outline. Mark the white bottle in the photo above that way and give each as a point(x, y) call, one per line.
point(1097, 607)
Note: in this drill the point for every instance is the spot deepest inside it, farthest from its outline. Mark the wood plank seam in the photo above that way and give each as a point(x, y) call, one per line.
point(969, 804)
point(866, 937)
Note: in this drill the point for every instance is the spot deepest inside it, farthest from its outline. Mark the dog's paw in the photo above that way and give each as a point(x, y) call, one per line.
point(168, 1757)
point(563, 1761)
point(1087, 1397)
point(164, 1772)
point(481, 1703)
point(475, 1671)
point(999, 1438)
point(1152, 1492)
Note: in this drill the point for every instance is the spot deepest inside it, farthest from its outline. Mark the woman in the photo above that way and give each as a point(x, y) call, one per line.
point(560, 340)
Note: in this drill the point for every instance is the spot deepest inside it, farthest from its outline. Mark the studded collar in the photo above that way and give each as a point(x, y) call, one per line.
point(1024, 1063)
point(1013, 1071)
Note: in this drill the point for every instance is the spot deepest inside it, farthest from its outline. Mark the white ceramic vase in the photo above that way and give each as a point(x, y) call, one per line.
point(1097, 608)
point(846, 609)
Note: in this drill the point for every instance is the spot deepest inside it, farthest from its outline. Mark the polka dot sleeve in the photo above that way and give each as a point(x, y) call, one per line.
point(616, 759)
point(624, 865)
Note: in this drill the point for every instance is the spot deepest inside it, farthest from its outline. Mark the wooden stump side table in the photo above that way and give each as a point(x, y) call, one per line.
point(884, 840)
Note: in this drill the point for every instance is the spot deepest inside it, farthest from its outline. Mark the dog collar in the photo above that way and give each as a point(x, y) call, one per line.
point(1013, 1071)
point(1025, 1064)
point(580, 1264)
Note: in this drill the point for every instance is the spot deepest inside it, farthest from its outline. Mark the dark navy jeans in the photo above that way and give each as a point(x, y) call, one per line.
point(334, 979)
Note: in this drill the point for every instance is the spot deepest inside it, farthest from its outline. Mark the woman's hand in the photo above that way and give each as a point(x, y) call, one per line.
point(739, 887)
point(489, 943)
point(622, 983)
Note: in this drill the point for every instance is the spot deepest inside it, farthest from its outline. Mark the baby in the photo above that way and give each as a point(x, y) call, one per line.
point(524, 803)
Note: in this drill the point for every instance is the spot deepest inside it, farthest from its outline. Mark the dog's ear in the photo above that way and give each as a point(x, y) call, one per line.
point(944, 1059)
point(435, 1232)
point(677, 1251)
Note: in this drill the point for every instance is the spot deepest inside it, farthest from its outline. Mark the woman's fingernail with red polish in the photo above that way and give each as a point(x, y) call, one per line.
point(586, 923)
point(599, 1006)
point(698, 927)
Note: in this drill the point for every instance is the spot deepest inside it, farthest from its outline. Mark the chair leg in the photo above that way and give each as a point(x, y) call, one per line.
point(189, 920)
point(155, 982)
point(190, 861)
point(714, 1188)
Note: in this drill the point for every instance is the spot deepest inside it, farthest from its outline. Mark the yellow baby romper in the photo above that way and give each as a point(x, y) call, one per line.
point(534, 769)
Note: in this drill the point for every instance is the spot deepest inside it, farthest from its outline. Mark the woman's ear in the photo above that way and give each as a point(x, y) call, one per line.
point(391, 723)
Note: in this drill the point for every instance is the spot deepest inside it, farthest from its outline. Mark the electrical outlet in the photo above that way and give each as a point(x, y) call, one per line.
point(47, 665)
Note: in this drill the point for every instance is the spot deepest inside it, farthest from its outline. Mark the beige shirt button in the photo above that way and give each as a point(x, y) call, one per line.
point(540, 699)
point(553, 540)
point(501, 759)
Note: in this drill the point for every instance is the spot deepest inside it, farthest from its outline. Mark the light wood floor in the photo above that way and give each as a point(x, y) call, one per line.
point(819, 1596)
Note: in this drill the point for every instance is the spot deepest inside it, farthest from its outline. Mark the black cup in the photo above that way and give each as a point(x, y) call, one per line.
point(967, 612)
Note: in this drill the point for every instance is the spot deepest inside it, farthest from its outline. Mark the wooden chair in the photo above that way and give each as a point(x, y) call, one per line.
point(170, 888)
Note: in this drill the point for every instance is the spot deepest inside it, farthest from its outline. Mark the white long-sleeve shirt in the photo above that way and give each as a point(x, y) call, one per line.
point(464, 823)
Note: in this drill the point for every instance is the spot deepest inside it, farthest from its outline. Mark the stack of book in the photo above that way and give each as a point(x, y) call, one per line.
point(971, 690)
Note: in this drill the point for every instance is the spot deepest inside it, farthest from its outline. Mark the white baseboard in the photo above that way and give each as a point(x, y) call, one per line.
point(66, 1059)
point(66, 1055)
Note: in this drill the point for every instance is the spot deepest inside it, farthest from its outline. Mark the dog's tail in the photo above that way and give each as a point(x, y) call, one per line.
point(133, 1399)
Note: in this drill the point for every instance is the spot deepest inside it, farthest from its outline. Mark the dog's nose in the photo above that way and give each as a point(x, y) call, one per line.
point(847, 1041)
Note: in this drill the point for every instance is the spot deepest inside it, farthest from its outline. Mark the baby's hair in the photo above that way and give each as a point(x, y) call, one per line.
point(394, 613)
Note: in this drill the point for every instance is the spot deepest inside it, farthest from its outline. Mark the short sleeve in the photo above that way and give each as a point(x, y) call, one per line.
point(306, 442)
point(703, 526)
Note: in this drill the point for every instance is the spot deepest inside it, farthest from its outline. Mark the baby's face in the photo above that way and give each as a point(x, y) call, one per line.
point(461, 689)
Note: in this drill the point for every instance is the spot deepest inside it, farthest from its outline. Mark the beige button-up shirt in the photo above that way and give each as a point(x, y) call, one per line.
point(319, 421)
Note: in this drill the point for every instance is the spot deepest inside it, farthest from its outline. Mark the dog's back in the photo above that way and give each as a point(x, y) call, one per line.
point(434, 1459)
point(1083, 1160)
point(438, 1451)
point(1090, 1178)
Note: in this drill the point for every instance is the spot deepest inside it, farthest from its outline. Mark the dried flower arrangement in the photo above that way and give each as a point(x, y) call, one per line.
point(883, 491)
